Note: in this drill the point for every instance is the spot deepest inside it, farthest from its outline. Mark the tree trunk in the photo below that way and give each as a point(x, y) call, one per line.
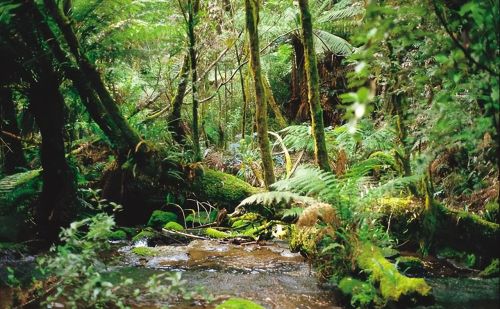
point(311, 68)
point(88, 80)
point(193, 6)
point(252, 21)
point(175, 120)
point(273, 104)
point(243, 93)
point(10, 142)
point(58, 196)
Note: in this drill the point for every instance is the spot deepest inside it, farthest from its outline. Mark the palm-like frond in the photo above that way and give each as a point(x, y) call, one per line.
point(327, 42)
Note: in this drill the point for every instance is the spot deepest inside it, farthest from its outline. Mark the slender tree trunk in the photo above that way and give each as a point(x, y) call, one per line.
point(87, 80)
point(175, 121)
point(193, 6)
point(58, 197)
point(311, 68)
point(243, 93)
point(273, 104)
point(252, 21)
point(10, 142)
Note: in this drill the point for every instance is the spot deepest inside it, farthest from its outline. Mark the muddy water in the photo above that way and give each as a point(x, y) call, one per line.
point(267, 273)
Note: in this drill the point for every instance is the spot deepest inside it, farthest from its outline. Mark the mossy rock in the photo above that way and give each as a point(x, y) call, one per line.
point(159, 218)
point(393, 286)
point(118, 235)
point(221, 189)
point(410, 264)
point(492, 270)
point(239, 303)
point(213, 233)
point(147, 233)
point(145, 251)
point(173, 226)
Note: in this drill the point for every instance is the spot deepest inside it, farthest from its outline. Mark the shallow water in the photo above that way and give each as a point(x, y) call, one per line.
point(266, 273)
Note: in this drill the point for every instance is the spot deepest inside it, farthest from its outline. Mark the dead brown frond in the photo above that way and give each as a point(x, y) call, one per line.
point(318, 212)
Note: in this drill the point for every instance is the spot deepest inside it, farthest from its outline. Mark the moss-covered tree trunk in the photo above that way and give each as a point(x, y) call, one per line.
point(252, 21)
point(311, 68)
point(243, 93)
point(193, 7)
point(96, 97)
point(174, 120)
point(10, 142)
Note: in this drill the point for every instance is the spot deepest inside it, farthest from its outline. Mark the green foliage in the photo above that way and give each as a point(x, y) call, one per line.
point(76, 264)
point(118, 235)
point(363, 294)
point(492, 270)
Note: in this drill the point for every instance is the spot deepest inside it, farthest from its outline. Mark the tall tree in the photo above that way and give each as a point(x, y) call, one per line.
point(311, 68)
point(252, 21)
point(193, 7)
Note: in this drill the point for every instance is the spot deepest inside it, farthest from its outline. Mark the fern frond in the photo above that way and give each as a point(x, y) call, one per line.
point(349, 12)
point(274, 198)
point(318, 212)
point(327, 42)
point(11, 182)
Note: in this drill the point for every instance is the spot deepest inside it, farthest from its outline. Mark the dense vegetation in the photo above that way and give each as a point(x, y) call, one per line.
point(350, 128)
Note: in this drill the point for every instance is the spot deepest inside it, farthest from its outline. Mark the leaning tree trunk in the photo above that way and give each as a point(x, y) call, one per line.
point(10, 141)
point(87, 79)
point(252, 20)
point(193, 7)
point(58, 196)
point(174, 120)
point(311, 68)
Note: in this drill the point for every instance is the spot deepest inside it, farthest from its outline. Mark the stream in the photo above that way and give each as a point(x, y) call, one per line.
point(265, 272)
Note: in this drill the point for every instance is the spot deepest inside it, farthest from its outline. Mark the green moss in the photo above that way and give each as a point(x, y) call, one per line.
point(239, 303)
point(118, 235)
point(145, 251)
point(213, 233)
point(222, 189)
point(159, 218)
point(144, 234)
point(12, 246)
point(362, 293)
point(392, 284)
point(174, 226)
point(492, 270)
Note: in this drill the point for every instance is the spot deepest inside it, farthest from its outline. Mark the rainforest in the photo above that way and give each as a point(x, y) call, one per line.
point(233, 154)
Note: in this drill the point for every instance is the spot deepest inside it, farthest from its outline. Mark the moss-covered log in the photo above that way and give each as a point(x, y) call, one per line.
point(465, 231)
point(221, 189)
point(393, 286)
